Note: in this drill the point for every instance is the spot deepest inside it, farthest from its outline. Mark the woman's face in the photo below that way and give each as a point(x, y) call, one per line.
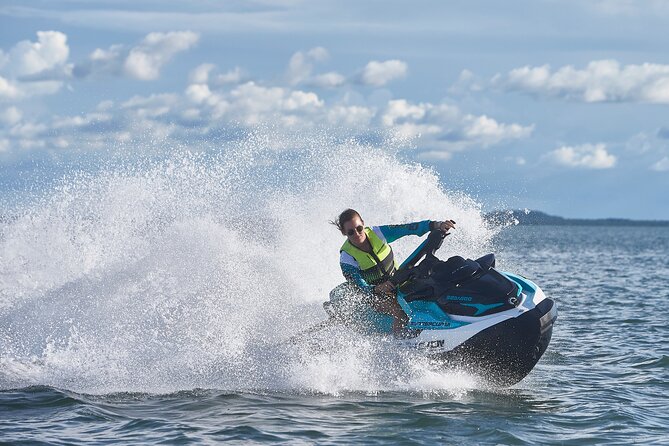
point(354, 230)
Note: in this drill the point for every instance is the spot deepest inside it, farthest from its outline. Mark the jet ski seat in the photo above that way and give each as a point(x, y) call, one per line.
point(455, 270)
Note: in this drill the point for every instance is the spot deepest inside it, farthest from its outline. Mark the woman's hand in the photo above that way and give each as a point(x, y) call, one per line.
point(386, 287)
point(444, 226)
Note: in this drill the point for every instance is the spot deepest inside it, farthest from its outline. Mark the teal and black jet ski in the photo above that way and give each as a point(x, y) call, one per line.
point(463, 313)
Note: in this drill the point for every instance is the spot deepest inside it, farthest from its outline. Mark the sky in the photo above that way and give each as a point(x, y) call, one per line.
point(560, 106)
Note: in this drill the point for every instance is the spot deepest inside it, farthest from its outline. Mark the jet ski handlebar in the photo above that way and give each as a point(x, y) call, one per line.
point(427, 248)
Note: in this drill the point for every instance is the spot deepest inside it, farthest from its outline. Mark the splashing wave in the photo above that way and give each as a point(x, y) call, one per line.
point(186, 273)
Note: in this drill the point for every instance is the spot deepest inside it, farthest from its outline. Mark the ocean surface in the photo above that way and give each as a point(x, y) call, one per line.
point(603, 380)
point(150, 302)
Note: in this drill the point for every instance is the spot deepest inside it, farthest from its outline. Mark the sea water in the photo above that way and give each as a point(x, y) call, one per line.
point(148, 303)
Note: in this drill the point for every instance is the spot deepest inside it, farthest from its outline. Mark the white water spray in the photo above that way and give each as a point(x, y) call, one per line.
point(187, 272)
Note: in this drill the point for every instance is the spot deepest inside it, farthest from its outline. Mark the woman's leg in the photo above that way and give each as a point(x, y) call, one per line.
point(387, 304)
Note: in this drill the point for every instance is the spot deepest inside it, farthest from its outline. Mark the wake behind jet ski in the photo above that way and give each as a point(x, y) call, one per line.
point(461, 312)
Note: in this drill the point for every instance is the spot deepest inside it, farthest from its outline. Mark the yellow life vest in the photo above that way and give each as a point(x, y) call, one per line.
point(376, 266)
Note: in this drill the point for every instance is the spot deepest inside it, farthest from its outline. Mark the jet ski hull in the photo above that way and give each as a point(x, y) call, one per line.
point(506, 352)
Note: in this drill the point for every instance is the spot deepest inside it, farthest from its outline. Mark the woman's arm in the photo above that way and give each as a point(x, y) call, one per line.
point(353, 276)
point(393, 232)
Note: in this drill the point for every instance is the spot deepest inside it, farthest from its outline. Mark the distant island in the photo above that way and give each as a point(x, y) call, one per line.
point(536, 218)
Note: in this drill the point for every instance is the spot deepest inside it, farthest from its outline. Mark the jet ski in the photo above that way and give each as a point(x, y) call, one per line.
point(462, 313)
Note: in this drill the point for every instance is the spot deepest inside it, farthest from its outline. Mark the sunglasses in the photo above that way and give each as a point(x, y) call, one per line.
point(358, 228)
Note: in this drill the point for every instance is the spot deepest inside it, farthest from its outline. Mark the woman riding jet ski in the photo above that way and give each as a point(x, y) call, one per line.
point(461, 312)
point(368, 263)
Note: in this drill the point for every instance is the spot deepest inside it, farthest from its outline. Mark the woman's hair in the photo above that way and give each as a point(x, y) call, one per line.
point(345, 216)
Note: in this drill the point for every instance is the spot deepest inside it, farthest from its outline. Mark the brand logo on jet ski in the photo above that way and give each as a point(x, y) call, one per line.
point(432, 324)
point(460, 298)
point(430, 344)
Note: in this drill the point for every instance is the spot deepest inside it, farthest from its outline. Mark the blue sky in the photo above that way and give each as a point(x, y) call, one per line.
point(561, 106)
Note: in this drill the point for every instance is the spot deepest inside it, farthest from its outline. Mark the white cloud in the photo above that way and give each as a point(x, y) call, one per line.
point(641, 143)
point(102, 62)
point(153, 106)
point(8, 90)
point(301, 64)
point(375, 73)
point(145, 60)
point(34, 68)
point(198, 93)
point(41, 67)
point(28, 130)
point(436, 155)
point(30, 58)
point(378, 74)
point(488, 131)
point(252, 104)
point(587, 156)
point(80, 121)
point(200, 74)
point(401, 109)
point(202, 108)
point(205, 74)
point(10, 116)
point(213, 103)
point(105, 105)
point(353, 116)
point(328, 80)
point(446, 127)
point(233, 76)
point(599, 81)
point(252, 98)
point(13, 90)
point(662, 165)
point(467, 81)
point(301, 67)
point(517, 160)
point(318, 53)
point(300, 99)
